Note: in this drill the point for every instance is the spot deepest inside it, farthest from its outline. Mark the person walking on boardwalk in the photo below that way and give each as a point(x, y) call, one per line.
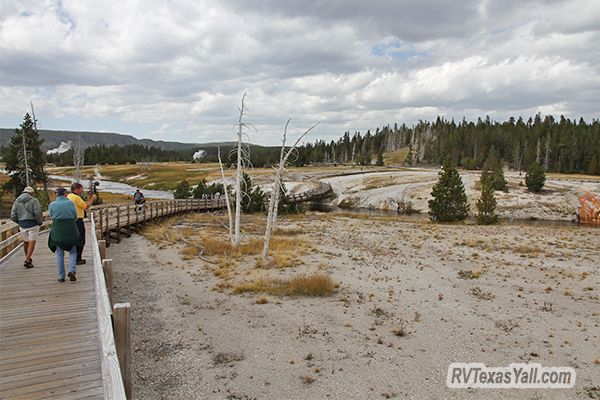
point(139, 199)
point(64, 235)
point(27, 212)
point(80, 206)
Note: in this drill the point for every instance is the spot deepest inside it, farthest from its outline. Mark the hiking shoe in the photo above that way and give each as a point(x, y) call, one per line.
point(28, 264)
point(72, 276)
point(61, 279)
point(80, 262)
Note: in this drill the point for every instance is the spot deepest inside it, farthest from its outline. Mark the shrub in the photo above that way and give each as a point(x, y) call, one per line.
point(535, 178)
point(303, 285)
point(449, 201)
point(486, 205)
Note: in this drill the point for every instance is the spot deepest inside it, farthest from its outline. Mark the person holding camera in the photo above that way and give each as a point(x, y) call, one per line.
point(80, 206)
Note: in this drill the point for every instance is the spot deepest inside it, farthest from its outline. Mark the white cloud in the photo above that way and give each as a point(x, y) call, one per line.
point(182, 66)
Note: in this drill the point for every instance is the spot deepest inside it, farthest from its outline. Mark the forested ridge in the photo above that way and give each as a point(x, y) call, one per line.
point(563, 145)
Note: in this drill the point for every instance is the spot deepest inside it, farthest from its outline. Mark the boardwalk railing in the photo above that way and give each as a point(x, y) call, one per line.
point(108, 223)
point(10, 236)
point(113, 219)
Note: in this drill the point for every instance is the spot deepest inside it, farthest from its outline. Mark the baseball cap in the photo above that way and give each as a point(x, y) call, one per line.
point(28, 189)
point(61, 191)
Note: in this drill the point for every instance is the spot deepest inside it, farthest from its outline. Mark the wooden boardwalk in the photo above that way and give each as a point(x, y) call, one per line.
point(57, 339)
point(49, 343)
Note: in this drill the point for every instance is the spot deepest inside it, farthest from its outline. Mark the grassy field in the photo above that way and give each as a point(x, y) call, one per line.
point(159, 176)
point(166, 176)
point(395, 157)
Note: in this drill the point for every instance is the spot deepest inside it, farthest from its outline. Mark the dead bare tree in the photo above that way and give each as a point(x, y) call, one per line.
point(226, 197)
point(78, 161)
point(243, 160)
point(276, 193)
point(278, 187)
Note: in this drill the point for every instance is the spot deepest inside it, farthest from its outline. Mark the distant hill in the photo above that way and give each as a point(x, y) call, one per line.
point(53, 139)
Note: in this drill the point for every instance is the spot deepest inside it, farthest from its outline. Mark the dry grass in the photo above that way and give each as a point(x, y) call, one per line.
point(469, 274)
point(399, 330)
point(380, 182)
point(480, 294)
point(220, 247)
point(523, 249)
point(190, 252)
point(303, 285)
point(307, 379)
point(288, 231)
point(396, 157)
point(162, 233)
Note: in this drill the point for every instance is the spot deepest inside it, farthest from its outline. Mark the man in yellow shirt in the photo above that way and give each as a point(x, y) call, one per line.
point(80, 206)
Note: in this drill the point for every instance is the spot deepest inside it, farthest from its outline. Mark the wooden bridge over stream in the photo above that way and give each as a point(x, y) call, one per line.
point(69, 340)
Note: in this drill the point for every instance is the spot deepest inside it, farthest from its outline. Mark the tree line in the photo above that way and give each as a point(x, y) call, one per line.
point(563, 145)
point(121, 154)
point(134, 153)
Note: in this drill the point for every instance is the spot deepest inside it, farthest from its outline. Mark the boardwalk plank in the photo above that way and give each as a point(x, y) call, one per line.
point(35, 310)
point(49, 344)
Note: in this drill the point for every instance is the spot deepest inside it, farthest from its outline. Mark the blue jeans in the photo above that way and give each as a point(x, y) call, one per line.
point(60, 261)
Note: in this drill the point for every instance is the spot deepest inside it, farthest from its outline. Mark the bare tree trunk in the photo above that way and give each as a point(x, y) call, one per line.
point(278, 177)
point(273, 203)
point(226, 197)
point(238, 177)
point(547, 155)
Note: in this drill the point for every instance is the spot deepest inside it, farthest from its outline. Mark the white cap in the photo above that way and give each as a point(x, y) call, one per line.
point(28, 189)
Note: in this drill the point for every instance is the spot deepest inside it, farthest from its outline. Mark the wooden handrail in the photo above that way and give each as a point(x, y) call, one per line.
point(114, 217)
point(112, 380)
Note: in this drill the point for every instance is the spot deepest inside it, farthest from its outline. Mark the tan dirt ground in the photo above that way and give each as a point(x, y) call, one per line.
point(534, 297)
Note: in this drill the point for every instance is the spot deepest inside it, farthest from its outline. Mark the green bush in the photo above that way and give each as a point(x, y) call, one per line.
point(535, 178)
point(449, 201)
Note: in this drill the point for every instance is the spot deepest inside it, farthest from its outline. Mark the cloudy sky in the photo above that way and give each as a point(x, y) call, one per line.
point(176, 70)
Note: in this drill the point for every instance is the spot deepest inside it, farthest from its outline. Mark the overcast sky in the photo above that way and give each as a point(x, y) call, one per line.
point(176, 70)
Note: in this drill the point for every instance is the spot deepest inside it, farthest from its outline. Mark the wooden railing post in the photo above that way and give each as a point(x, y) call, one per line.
point(122, 319)
point(102, 249)
point(100, 223)
point(107, 228)
point(128, 220)
point(119, 223)
point(144, 216)
point(108, 277)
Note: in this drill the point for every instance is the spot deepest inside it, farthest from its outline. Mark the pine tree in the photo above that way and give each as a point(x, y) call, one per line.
point(535, 178)
point(254, 200)
point(379, 161)
point(486, 205)
point(409, 156)
point(493, 167)
point(15, 159)
point(183, 190)
point(499, 182)
point(449, 201)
